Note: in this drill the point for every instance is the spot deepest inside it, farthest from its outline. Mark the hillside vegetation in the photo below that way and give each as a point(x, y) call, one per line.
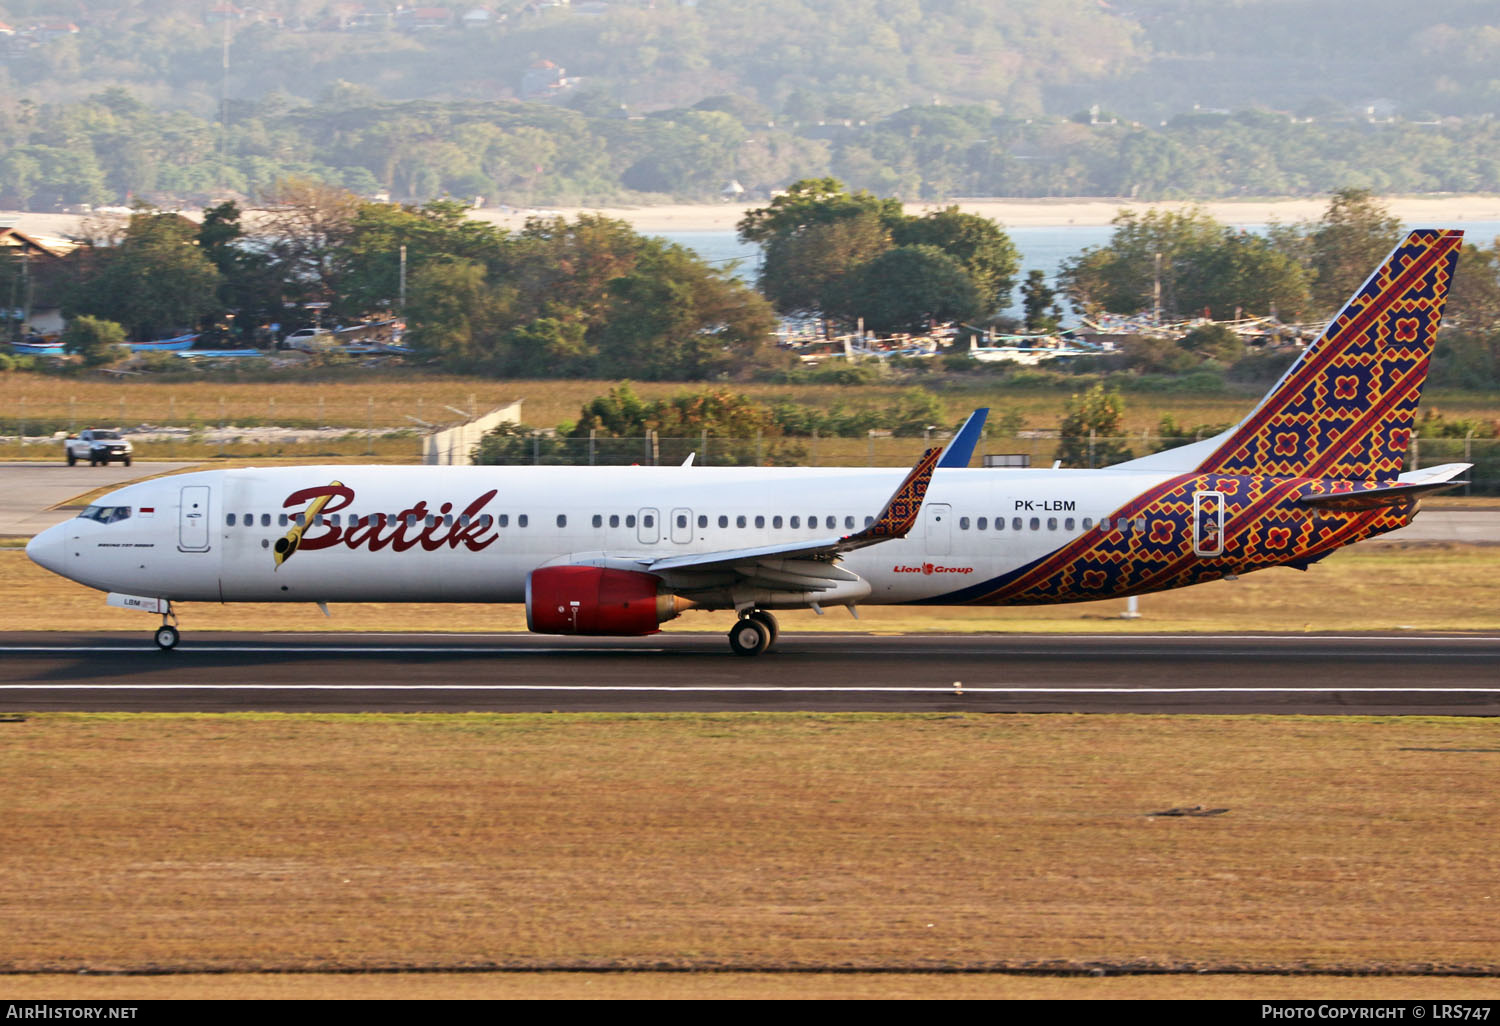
point(922, 99)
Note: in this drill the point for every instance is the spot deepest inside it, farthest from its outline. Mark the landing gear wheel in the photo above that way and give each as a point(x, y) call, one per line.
point(770, 624)
point(167, 637)
point(749, 637)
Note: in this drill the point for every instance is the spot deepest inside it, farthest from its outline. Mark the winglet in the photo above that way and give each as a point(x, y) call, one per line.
point(960, 448)
point(900, 513)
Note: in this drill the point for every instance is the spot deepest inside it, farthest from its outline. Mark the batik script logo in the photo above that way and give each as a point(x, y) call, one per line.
point(930, 568)
point(407, 529)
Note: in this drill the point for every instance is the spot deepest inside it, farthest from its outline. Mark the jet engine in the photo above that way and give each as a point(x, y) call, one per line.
point(598, 600)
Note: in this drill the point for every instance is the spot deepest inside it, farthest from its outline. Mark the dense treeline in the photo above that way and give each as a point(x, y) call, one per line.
point(109, 148)
point(556, 299)
point(591, 297)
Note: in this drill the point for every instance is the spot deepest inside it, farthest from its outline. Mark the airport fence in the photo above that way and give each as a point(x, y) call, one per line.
point(318, 431)
point(1030, 449)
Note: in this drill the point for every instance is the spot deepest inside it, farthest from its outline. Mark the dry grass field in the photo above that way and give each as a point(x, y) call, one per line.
point(636, 986)
point(308, 842)
point(1368, 587)
point(384, 399)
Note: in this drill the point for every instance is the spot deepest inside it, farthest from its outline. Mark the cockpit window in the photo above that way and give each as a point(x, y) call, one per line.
point(106, 434)
point(106, 514)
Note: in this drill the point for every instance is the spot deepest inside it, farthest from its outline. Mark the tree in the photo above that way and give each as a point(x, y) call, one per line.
point(797, 270)
point(907, 289)
point(812, 201)
point(587, 297)
point(1145, 256)
point(1216, 342)
point(979, 244)
point(368, 262)
point(1242, 274)
point(748, 431)
point(303, 224)
point(818, 240)
point(157, 282)
point(1039, 300)
point(1354, 235)
point(97, 340)
point(1474, 299)
point(1091, 428)
point(813, 235)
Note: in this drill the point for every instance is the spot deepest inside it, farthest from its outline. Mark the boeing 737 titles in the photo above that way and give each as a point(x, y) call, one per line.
point(621, 550)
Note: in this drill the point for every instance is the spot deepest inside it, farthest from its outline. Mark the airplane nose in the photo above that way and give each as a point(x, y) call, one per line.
point(48, 549)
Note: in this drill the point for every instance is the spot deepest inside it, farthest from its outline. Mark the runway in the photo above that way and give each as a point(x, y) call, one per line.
point(1373, 674)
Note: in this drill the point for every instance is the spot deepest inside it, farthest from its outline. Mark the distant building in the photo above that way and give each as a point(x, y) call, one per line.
point(423, 19)
point(371, 20)
point(46, 30)
point(42, 257)
point(543, 78)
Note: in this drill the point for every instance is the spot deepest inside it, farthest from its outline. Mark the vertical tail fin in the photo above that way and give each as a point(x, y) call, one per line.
point(1346, 408)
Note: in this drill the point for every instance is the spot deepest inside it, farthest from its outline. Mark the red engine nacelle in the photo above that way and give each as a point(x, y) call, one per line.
point(597, 600)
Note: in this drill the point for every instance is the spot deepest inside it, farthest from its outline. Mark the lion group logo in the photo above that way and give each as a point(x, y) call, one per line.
point(931, 568)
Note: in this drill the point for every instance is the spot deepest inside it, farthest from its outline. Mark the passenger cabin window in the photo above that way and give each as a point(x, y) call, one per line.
point(739, 521)
point(630, 520)
point(982, 523)
point(776, 522)
point(521, 519)
point(760, 521)
point(703, 521)
point(265, 520)
point(229, 520)
point(598, 520)
point(848, 523)
point(963, 523)
point(562, 520)
point(723, 521)
point(614, 520)
point(796, 522)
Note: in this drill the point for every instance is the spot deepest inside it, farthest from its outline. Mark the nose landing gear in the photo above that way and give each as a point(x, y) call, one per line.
point(753, 633)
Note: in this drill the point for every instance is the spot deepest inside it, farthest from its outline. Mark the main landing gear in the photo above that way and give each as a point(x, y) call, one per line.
point(167, 635)
point(753, 633)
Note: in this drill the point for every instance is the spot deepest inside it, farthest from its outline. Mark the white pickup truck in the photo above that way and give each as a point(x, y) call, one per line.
point(97, 446)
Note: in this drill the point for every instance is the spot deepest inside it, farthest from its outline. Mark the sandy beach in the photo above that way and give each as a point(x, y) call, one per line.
point(1041, 213)
point(1012, 213)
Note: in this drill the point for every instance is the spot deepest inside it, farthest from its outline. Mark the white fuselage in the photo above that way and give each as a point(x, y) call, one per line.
point(212, 535)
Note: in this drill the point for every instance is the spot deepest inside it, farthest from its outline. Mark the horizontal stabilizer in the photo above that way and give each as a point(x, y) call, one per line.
point(1352, 496)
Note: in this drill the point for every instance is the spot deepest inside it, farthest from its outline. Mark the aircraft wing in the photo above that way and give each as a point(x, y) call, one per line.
point(895, 521)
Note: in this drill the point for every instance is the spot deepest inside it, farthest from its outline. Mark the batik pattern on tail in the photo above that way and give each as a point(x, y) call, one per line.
point(1346, 409)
